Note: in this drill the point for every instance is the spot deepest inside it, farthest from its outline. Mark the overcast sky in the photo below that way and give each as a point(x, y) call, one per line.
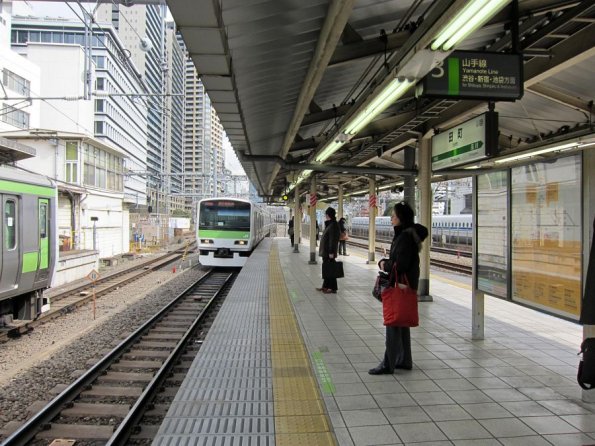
point(59, 9)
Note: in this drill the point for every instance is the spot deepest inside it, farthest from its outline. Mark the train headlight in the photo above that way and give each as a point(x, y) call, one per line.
point(240, 242)
point(206, 241)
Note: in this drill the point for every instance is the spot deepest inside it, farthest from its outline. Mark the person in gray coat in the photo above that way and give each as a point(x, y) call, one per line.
point(329, 246)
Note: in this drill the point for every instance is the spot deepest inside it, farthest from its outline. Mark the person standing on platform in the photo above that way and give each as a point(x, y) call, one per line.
point(342, 237)
point(290, 230)
point(328, 248)
point(404, 255)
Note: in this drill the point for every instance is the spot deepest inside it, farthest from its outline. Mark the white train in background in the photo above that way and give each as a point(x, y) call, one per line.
point(448, 229)
point(228, 230)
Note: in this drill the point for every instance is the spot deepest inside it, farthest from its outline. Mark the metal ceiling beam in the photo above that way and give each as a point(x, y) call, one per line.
point(337, 15)
point(281, 163)
point(569, 52)
point(555, 95)
point(325, 115)
point(554, 25)
point(370, 47)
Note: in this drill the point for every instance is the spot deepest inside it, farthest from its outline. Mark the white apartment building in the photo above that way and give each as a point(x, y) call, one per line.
point(120, 118)
point(20, 79)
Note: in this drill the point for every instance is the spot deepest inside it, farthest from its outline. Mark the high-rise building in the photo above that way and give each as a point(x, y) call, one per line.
point(142, 31)
point(174, 118)
point(120, 118)
point(204, 155)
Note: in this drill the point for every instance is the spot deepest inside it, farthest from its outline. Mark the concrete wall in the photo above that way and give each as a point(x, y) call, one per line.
point(73, 116)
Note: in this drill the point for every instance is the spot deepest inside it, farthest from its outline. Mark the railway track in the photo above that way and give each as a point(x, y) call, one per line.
point(123, 397)
point(444, 264)
point(73, 298)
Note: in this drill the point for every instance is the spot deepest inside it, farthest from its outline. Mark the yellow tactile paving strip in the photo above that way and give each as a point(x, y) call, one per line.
point(300, 416)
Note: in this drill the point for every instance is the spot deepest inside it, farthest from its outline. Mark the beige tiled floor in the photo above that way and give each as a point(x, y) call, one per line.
point(516, 387)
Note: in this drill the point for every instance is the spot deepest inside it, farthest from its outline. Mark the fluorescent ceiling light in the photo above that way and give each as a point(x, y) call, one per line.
point(521, 156)
point(387, 96)
point(328, 150)
point(302, 176)
point(393, 91)
point(470, 18)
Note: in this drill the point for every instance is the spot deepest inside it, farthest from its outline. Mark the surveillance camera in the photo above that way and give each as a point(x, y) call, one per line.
point(145, 44)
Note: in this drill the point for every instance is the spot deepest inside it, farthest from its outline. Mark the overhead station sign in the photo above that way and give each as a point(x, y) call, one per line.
point(470, 141)
point(474, 75)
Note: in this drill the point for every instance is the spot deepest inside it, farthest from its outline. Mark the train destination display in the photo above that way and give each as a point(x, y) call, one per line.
point(476, 75)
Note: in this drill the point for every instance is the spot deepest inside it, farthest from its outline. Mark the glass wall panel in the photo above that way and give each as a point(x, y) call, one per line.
point(546, 235)
point(492, 239)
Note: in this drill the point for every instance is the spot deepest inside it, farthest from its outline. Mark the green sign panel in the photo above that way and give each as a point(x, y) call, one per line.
point(470, 141)
point(473, 75)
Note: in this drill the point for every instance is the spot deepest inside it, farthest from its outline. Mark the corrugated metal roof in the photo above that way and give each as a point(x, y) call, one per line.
point(254, 57)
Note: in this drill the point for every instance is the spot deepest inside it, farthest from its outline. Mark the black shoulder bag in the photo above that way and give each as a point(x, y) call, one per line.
point(586, 368)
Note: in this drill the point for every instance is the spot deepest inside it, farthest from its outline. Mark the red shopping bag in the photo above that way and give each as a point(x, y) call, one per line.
point(399, 306)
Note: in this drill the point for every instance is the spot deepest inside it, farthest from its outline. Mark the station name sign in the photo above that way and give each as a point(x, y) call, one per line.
point(475, 75)
point(470, 141)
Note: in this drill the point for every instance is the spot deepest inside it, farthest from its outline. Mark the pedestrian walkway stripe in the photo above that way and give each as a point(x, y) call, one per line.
point(300, 415)
point(323, 375)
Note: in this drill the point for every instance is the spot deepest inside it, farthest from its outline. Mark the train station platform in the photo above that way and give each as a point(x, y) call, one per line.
point(284, 364)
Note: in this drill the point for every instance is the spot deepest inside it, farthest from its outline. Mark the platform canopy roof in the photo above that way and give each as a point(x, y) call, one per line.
point(285, 76)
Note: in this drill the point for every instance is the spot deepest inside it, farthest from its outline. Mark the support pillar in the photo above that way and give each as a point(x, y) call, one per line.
point(297, 221)
point(372, 224)
point(340, 206)
point(477, 307)
point(477, 296)
point(409, 182)
point(425, 216)
point(588, 301)
point(312, 220)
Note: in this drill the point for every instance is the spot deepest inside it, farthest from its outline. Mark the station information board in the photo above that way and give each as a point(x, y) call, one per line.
point(492, 242)
point(546, 235)
point(470, 141)
point(475, 75)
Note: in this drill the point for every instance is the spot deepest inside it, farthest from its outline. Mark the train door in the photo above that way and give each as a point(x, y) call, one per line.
point(9, 262)
point(44, 235)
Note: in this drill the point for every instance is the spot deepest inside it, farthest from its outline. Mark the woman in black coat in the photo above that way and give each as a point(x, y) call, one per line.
point(404, 256)
point(328, 248)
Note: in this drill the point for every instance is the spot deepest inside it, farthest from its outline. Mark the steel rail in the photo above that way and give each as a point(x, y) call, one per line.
point(126, 427)
point(27, 432)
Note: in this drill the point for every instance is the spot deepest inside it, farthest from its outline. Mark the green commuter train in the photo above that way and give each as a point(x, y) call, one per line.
point(228, 230)
point(29, 243)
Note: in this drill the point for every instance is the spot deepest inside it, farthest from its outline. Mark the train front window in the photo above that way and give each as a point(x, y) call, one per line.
point(10, 232)
point(227, 215)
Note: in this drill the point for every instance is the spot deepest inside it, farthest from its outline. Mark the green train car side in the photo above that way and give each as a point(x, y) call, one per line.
point(29, 242)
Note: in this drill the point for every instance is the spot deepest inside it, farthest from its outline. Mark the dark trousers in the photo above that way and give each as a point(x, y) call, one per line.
point(398, 348)
point(342, 247)
point(331, 284)
point(291, 238)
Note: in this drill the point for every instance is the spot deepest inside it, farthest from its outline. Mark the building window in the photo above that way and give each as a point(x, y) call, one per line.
point(15, 117)
point(100, 84)
point(72, 162)
point(103, 169)
point(16, 82)
point(99, 127)
point(99, 61)
point(99, 105)
point(10, 224)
